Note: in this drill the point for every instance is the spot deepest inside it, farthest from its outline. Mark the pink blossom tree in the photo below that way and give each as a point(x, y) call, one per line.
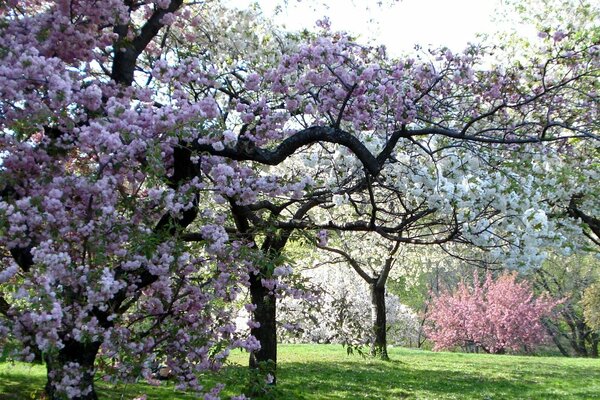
point(496, 315)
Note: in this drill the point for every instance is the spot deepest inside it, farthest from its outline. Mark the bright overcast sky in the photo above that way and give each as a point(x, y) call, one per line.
point(451, 23)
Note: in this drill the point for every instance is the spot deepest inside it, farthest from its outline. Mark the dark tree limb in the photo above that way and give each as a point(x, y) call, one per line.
point(289, 145)
point(23, 257)
point(387, 267)
point(127, 51)
point(350, 260)
point(575, 211)
point(4, 306)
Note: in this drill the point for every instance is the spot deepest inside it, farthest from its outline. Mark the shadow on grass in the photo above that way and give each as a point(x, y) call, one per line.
point(166, 391)
point(331, 381)
point(21, 381)
point(398, 380)
point(351, 380)
point(410, 375)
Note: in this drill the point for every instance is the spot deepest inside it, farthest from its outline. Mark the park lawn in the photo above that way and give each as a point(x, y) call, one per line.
point(326, 372)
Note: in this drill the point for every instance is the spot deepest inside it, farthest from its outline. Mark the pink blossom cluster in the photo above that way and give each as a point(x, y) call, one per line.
point(496, 315)
point(85, 171)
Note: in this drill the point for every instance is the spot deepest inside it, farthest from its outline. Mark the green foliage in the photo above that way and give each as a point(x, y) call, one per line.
point(591, 306)
point(259, 385)
point(414, 295)
point(568, 277)
point(352, 348)
point(298, 247)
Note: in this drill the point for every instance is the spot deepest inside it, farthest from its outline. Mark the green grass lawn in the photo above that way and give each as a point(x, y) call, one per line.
point(326, 372)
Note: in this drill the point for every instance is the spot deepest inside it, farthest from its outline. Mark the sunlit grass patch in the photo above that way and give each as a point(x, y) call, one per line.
point(326, 372)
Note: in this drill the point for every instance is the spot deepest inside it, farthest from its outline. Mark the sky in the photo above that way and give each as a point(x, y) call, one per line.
point(451, 23)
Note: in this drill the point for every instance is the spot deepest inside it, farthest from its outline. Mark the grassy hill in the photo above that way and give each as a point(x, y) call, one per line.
point(325, 372)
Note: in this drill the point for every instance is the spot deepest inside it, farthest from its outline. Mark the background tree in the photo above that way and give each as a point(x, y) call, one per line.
point(423, 276)
point(497, 315)
point(591, 303)
point(376, 279)
point(341, 312)
point(568, 278)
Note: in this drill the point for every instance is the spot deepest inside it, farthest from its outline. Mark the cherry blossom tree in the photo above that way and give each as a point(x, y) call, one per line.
point(276, 218)
point(340, 313)
point(152, 154)
point(377, 280)
point(496, 315)
point(570, 181)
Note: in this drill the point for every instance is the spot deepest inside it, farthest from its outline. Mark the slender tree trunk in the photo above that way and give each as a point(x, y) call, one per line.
point(264, 359)
point(559, 346)
point(73, 357)
point(421, 334)
point(554, 334)
point(594, 345)
point(581, 345)
point(378, 319)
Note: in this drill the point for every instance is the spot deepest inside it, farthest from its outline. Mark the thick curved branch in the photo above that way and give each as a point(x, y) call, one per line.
point(451, 133)
point(575, 211)
point(389, 147)
point(291, 144)
point(373, 164)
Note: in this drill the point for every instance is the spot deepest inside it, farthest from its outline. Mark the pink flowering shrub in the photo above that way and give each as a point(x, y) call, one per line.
point(498, 315)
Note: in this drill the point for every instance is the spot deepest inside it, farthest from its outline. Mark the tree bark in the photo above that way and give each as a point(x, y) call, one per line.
point(580, 339)
point(264, 359)
point(559, 345)
point(379, 322)
point(595, 340)
point(555, 334)
point(58, 365)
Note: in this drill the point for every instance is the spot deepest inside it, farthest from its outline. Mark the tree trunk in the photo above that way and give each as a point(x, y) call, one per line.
point(421, 334)
point(264, 359)
point(559, 346)
point(555, 334)
point(73, 359)
point(595, 340)
point(592, 339)
point(581, 345)
point(378, 319)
